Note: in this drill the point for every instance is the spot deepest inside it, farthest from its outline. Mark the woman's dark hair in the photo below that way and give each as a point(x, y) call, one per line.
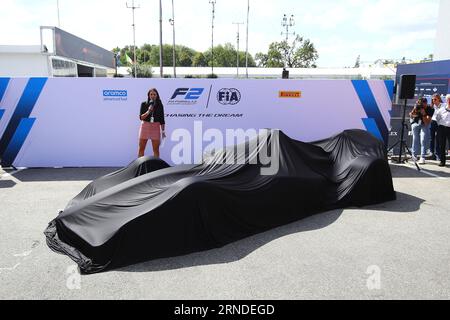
point(158, 99)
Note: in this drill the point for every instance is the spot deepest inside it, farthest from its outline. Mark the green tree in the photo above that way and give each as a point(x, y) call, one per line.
point(184, 56)
point(251, 61)
point(300, 54)
point(143, 71)
point(226, 56)
point(223, 56)
point(274, 57)
point(261, 59)
point(154, 55)
point(199, 60)
point(143, 56)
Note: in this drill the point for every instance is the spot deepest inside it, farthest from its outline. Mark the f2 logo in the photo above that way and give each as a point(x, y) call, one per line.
point(188, 93)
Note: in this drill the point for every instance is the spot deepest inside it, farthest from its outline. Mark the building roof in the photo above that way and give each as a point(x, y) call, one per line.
point(31, 49)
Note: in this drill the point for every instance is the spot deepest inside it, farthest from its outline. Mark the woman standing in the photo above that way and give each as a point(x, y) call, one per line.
point(420, 125)
point(152, 123)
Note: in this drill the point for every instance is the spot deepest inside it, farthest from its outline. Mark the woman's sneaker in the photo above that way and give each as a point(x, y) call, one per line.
point(422, 160)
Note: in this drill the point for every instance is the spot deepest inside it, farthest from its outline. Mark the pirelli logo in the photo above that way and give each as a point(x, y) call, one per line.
point(290, 94)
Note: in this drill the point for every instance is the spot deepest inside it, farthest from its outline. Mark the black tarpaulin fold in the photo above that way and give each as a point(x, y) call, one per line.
point(149, 210)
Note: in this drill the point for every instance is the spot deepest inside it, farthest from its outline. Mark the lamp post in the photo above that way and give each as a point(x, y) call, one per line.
point(57, 8)
point(246, 45)
point(172, 22)
point(133, 8)
point(213, 3)
point(287, 24)
point(237, 58)
point(160, 41)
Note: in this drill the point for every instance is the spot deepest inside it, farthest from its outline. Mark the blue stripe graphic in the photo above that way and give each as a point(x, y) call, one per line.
point(3, 85)
point(370, 106)
point(17, 141)
point(23, 110)
point(390, 88)
point(372, 127)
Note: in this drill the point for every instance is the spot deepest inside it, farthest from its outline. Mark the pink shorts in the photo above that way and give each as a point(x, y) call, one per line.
point(150, 130)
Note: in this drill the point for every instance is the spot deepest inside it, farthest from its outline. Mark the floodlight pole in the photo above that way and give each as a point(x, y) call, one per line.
point(285, 23)
point(213, 3)
point(172, 22)
point(133, 8)
point(57, 8)
point(161, 71)
point(237, 59)
point(246, 45)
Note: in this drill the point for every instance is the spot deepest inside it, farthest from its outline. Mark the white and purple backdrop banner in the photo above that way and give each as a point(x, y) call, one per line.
point(88, 122)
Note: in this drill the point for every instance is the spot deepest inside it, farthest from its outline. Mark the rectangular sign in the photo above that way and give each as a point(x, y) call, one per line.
point(92, 122)
point(70, 46)
point(290, 94)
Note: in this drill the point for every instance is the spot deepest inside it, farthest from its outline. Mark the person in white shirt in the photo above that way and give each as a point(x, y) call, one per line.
point(436, 104)
point(443, 120)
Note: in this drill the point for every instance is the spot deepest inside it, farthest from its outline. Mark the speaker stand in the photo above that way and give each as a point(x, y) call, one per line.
point(403, 143)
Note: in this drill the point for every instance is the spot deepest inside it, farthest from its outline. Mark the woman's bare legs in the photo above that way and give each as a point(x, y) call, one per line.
point(142, 145)
point(155, 145)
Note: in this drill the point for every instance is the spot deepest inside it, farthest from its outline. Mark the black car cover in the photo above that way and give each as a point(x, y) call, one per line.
point(149, 210)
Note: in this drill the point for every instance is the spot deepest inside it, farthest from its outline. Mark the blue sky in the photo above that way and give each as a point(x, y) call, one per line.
point(341, 30)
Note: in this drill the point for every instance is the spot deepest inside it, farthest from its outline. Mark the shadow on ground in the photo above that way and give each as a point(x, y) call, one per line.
point(4, 184)
point(240, 249)
point(407, 171)
point(441, 173)
point(405, 203)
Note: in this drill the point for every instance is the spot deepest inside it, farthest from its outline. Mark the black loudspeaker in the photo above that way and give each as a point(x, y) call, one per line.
point(285, 74)
point(407, 86)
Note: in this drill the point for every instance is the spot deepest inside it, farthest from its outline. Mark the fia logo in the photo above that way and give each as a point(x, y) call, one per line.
point(229, 96)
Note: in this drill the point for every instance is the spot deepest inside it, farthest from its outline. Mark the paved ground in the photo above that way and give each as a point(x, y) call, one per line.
point(397, 250)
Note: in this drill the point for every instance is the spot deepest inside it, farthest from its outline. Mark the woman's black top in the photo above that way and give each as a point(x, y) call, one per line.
point(158, 112)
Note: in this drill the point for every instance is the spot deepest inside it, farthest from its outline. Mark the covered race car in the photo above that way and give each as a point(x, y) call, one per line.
point(149, 210)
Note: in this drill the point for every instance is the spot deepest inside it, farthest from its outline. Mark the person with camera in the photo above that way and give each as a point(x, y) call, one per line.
point(421, 116)
point(443, 120)
point(436, 103)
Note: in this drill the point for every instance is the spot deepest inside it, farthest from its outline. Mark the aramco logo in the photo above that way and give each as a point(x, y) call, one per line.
point(115, 95)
